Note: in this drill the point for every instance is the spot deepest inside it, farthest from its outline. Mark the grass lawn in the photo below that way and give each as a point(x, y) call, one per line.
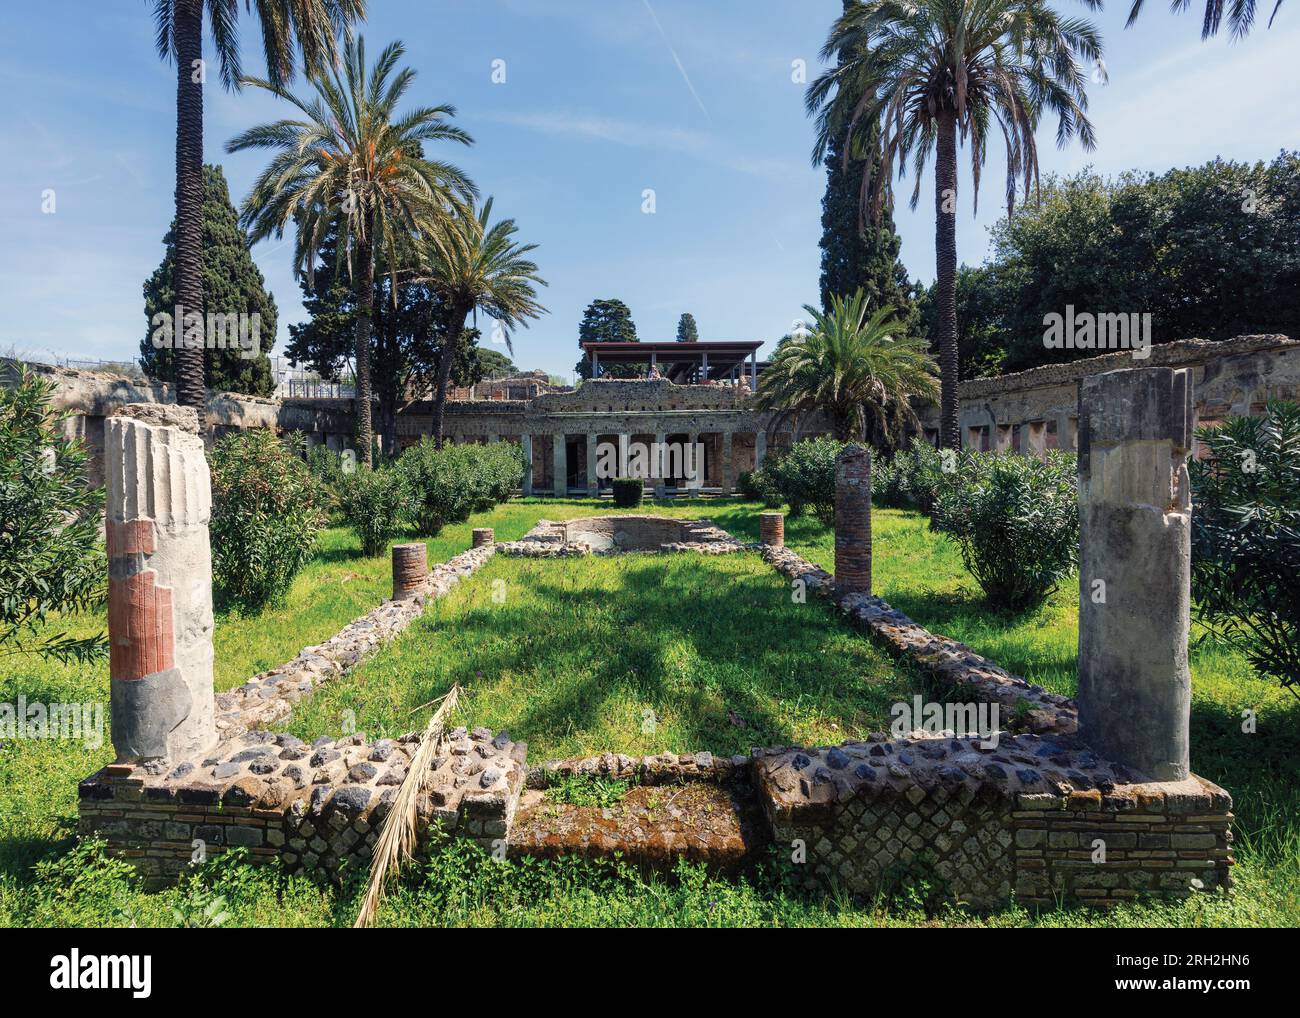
point(571, 661)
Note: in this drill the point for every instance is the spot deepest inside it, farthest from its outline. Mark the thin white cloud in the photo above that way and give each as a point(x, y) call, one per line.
point(677, 60)
point(650, 136)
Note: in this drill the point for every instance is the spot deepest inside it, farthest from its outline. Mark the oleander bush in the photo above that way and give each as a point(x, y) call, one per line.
point(446, 485)
point(51, 558)
point(1246, 538)
point(374, 502)
point(1016, 521)
point(267, 511)
point(805, 477)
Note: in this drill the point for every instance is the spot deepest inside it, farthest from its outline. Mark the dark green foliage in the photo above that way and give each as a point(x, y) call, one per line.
point(1016, 521)
point(914, 478)
point(981, 336)
point(853, 257)
point(607, 321)
point(628, 491)
point(446, 485)
point(51, 560)
point(267, 511)
point(804, 477)
point(374, 503)
point(407, 338)
point(1246, 538)
point(232, 283)
point(1211, 252)
point(687, 332)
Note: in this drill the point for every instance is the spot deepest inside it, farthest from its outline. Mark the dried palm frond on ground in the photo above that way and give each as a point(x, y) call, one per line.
point(397, 838)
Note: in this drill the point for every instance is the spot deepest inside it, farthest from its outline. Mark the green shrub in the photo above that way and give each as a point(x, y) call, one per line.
point(446, 485)
point(758, 485)
point(1246, 538)
point(51, 560)
point(1016, 520)
point(805, 477)
point(628, 491)
point(886, 485)
point(267, 511)
point(374, 503)
point(921, 475)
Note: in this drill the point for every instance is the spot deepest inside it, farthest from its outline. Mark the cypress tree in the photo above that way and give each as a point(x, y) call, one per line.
point(232, 283)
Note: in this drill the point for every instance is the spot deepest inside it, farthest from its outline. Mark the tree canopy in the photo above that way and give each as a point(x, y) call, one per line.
point(607, 320)
point(687, 331)
point(232, 284)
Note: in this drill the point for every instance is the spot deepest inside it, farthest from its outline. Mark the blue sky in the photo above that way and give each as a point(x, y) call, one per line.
point(603, 99)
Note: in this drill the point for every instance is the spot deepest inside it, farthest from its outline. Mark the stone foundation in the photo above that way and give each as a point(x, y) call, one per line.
point(1033, 815)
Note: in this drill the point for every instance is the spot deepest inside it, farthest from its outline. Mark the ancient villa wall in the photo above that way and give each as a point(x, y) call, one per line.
point(1039, 409)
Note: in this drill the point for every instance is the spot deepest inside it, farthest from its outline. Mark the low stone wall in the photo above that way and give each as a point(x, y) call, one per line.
point(318, 806)
point(1031, 814)
point(1037, 812)
point(268, 698)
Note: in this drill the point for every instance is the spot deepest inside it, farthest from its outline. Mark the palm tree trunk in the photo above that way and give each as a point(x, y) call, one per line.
point(365, 297)
point(451, 347)
point(189, 200)
point(945, 249)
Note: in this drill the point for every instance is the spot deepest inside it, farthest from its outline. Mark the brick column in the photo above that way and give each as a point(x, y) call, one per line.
point(526, 442)
point(559, 457)
point(771, 529)
point(410, 567)
point(593, 482)
point(1135, 516)
point(853, 520)
point(482, 536)
point(159, 583)
point(694, 460)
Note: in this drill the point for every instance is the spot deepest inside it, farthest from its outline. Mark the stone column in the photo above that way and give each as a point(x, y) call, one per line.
point(559, 457)
point(727, 479)
point(481, 536)
point(694, 460)
point(853, 520)
point(622, 455)
point(593, 482)
point(771, 529)
point(760, 447)
point(410, 567)
point(526, 441)
point(159, 584)
point(1135, 516)
point(657, 465)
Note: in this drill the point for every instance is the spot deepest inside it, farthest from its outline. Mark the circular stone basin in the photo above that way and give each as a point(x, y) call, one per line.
point(624, 533)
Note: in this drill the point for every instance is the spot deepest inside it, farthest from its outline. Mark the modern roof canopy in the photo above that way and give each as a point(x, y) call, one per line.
point(678, 361)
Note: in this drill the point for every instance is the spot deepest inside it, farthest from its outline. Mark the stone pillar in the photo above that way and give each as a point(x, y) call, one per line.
point(159, 584)
point(727, 480)
point(853, 520)
point(559, 457)
point(1135, 515)
point(593, 482)
point(771, 529)
point(658, 461)
point(526, 442)
point(410, 567)
point(693, 461)
point(482, 535)
point(760, 448)
point(622, 455)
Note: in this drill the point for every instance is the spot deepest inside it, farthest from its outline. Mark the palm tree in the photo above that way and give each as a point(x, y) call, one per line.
point(478, 267)
point(1241, 16)
point(353, 169)
point(857, 366)
point(915, 75)
point(309, 27)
